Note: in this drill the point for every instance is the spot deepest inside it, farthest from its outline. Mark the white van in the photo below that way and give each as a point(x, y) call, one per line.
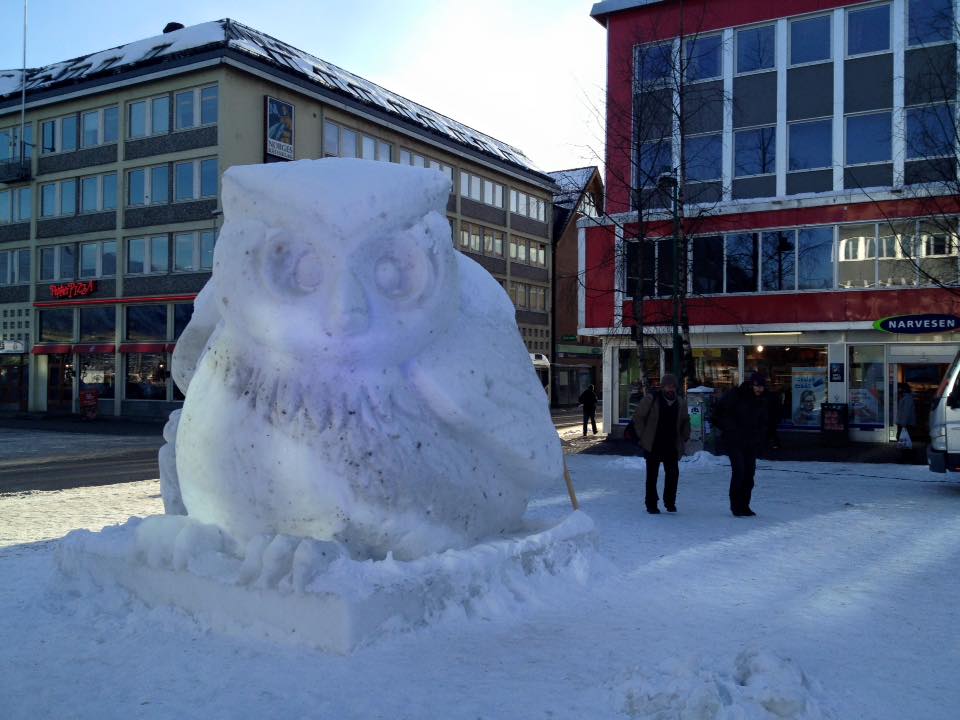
point(943, 453)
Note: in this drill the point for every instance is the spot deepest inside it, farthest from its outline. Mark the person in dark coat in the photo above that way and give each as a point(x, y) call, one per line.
point(662, 424)
point(588, 398)
point(742, 418)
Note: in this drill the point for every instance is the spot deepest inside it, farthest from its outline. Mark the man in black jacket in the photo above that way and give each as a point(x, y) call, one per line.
point(588, 398)
point(741, 416)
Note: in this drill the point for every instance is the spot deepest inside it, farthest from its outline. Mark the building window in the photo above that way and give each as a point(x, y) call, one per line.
point(815, 258)
point(195, 179)
point(55, 325)
point(408, 157)
point(58, 262)
point(10, 143)
point(98, 193)
point(146, 376)
point(857, 266)
point(339, 141)
point(148, 255)
point(193, 251)
point(99, 127)
point(448, 171)
point(96, 373)
point(16, 205)
point(869, 138)
point(148, 186)
point(754, 152)
point(148, 117)
point(97, 324)
point(742, 271)
point(929, 21)
point(98, 259)
point(707, 265)
point(704, 55)
point(372, 148)
point(15, 267)
point(492, 242)
point(931, 131)
point(523, 204)
point(810, 40)
point(60, 134)
point(146, 323)
point(703, 157)
point(654, 63)
point(778, 267)
point(756, 48)
point(868, 30)
point(196, 107)
point(811, 145)
point(58, 198)
point(479, 189)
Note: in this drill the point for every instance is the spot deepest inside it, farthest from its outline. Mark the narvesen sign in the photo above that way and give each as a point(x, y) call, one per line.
point(918, 324)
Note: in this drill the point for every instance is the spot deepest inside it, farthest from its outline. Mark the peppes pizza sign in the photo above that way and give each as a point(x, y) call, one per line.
point(918, 324)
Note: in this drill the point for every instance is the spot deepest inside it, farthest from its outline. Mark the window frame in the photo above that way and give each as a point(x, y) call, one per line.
point(807, 18)
point(14, 202)
point(13, 267)
point(846, 136)
point(100, 179)
point(100, 246)
point(58, 198)
point(58, 251)
point(196, 187)
point(758, 128)
point(736, 48)
point(148, 177)
point(857, 9)
point(196, 108)
point(931, 43)
point(149, 130)
point(148, 261)
point(197, 238)
point(101, 131)
point(828, 122)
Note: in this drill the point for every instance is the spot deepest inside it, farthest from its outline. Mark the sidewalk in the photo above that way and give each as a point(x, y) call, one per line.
point(802, 447)
point(76, 424)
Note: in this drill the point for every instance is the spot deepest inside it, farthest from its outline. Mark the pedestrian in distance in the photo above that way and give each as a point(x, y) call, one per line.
point(662, 425)
point(588, 398)
point(741, 416)
point(906, 419)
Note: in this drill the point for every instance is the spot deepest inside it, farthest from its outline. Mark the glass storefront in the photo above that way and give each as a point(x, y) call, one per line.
point(146, 376)
point(97, 374)
point(629, 387)
point(717, 367)
point(866, 390)
point(797, 376)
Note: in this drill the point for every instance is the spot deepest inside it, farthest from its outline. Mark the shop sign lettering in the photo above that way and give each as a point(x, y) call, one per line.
point(73, 289)
point(918, 324)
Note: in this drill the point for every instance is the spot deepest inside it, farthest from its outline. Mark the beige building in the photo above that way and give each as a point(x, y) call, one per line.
point(109, 200)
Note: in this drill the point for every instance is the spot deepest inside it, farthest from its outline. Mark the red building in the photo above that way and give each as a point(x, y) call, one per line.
point(799, 158)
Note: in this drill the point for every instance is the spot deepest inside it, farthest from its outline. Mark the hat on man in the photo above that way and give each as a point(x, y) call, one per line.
point(758, 379)
point(668, 379)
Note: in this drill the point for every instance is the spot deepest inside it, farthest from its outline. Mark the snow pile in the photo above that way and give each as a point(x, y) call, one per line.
point(758, 685)
point(700, 460)
point(350, 376)
point(312, 592)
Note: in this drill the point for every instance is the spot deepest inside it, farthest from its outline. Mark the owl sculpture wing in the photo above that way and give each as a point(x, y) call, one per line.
point(494, 399)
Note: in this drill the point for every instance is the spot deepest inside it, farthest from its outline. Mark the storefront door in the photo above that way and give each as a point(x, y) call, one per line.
point(922, 379)
point(14, 372)
point(59, 383)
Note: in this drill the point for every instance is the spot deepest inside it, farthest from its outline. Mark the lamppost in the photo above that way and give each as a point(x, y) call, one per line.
point(667, 183)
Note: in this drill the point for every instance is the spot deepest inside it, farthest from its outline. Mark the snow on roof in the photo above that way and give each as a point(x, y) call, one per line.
point(606, 7)
point(232, 35)
point(572, 184)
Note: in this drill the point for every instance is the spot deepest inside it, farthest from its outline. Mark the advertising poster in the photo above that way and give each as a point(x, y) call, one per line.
point(809, 391)
point(864, 407)
point(280, 129)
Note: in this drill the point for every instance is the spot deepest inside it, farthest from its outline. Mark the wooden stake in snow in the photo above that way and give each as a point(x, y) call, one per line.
point(573, 495)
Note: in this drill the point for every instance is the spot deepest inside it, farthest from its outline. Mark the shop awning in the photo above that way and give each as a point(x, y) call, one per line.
point(52, 349)
point(171, 346)
point(143, 347)
point(89, 349)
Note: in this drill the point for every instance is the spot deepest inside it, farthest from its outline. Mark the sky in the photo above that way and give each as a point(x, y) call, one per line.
point(529, 73)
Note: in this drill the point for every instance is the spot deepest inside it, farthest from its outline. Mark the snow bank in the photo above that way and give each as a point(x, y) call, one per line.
point(755, 686)
point(311, 592)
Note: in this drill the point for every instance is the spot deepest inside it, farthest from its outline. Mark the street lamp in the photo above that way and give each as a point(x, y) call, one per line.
point(667, 183)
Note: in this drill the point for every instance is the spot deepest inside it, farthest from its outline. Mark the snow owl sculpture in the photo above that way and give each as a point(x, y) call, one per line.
point(350, 376)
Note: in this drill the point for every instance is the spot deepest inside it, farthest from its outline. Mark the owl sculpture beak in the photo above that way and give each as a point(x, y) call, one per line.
point(349, 314)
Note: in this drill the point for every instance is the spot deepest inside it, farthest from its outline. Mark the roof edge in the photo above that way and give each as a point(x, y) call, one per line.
point(608, 7)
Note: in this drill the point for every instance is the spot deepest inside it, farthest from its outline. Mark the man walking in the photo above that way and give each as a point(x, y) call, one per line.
point(588, 398)
point(741, 416)
point(662, 424)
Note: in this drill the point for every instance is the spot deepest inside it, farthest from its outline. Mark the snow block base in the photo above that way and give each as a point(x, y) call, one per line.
point(310, 592)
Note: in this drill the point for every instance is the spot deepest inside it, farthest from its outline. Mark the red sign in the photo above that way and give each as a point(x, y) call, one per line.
point(73, 289)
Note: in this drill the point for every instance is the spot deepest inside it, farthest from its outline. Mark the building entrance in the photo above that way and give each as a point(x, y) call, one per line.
point(923, 378)
point(60, 383)
point(14, 374)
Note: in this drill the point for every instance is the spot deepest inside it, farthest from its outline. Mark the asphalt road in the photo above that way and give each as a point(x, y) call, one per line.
point(61, 473)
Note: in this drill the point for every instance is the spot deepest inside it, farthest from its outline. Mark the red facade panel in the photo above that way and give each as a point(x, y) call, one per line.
point(599, 276)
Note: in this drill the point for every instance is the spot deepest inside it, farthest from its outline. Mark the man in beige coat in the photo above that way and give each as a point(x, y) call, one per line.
point(662, 424)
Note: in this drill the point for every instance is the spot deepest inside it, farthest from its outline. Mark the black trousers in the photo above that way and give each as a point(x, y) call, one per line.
point(671, 471)
point(590, 415)
point(743, 466)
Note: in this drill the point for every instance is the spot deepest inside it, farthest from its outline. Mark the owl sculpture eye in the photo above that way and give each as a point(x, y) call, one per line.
point(401, 274)
point(291, 269)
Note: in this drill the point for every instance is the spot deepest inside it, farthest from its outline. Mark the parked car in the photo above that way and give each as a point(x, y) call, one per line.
point(943, 453)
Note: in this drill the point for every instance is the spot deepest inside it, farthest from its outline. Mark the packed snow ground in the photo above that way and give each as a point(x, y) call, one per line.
point(839, 600)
